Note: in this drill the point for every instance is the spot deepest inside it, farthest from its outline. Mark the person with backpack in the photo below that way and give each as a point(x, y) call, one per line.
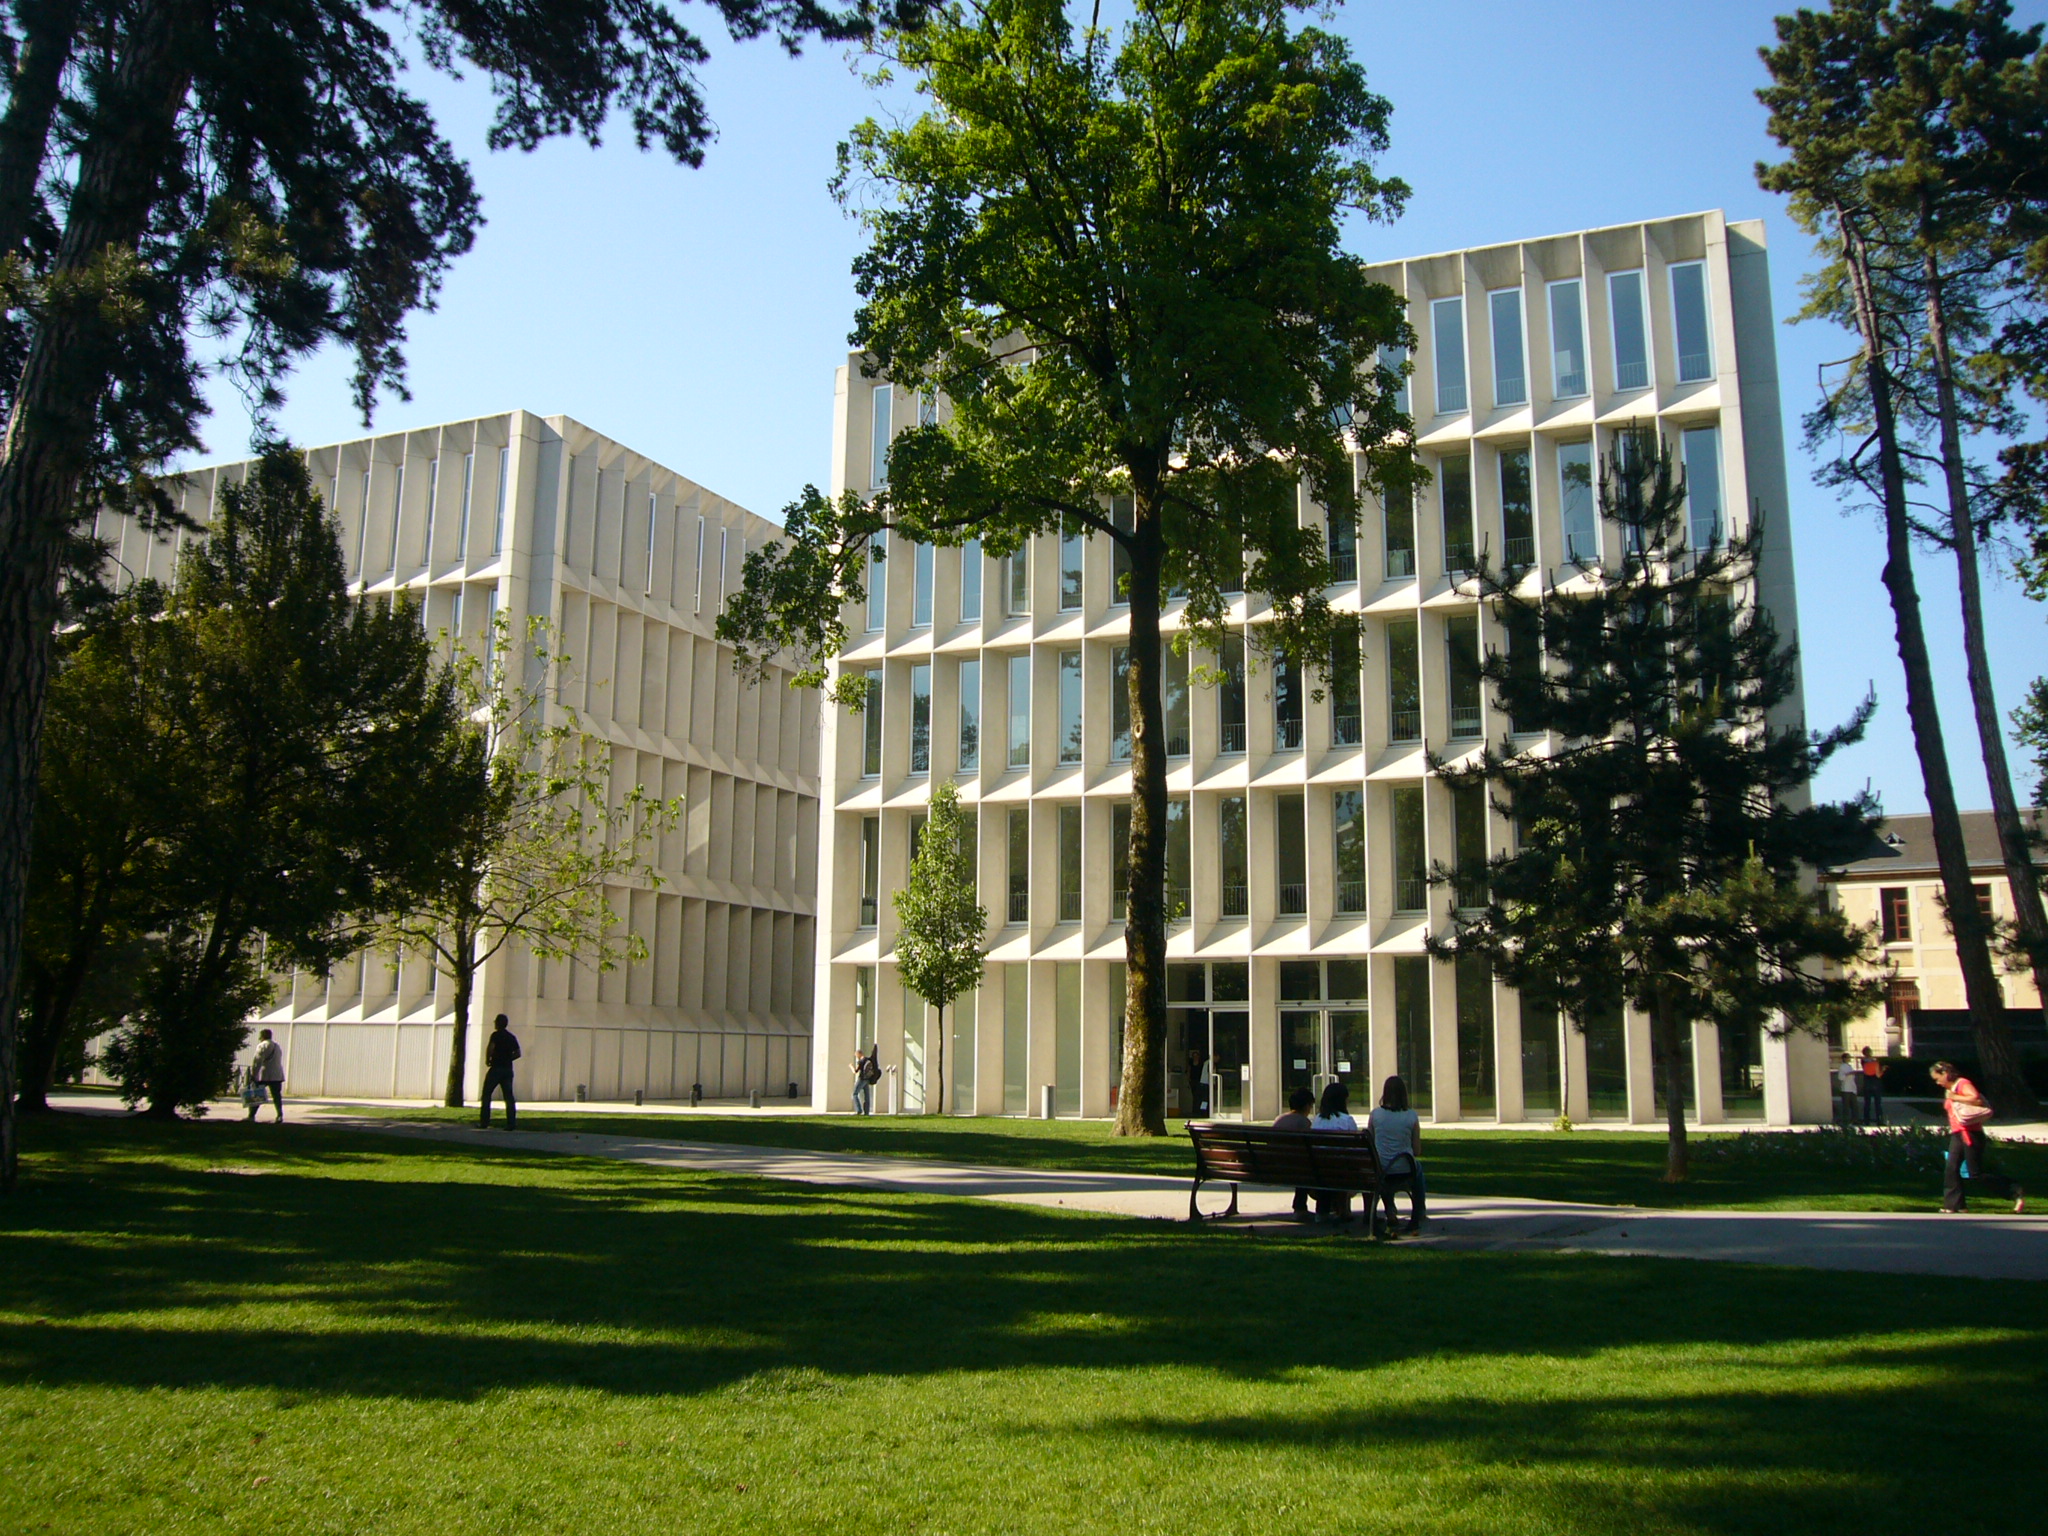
point(500, 1051)
point(266, 1074)
point(1968, 1114)
point(867, 1072)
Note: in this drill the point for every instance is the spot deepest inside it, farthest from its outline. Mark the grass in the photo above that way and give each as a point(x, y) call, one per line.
point(231, 1328)
point(1830, 1171)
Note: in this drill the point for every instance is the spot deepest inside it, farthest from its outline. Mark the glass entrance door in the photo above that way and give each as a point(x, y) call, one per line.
point(1230, 1056)
point(1301, 1051)
point(1208, 1053)
point(1322, 1045)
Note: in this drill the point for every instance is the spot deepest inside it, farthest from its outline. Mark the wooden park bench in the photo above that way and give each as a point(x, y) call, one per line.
point(1342, 1162)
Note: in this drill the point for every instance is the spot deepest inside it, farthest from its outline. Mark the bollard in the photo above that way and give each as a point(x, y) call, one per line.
point(696, 1094)
point(1045, 1101)
point(753, 1098)
point(639, 1097)
point(582, 1093)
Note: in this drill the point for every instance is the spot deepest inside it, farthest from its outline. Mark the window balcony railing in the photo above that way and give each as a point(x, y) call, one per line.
point(1520, 550)
point(1632, 375)
point(1400, 562)
point(1236, 901)
point(1233, 737)
point(1070, 906)
point(1020, 906)
point(1176, 903)
point(1177, 745)
point(1471, 892)
point(1405, 725)
point(1510, 389)
point(1120, 904)
point(1450, 399)
point(1693, 367)
point(1286, 735)
point(1465, 720)
point(1350, 895)
point(868, 911)
point(1293, 899)
point(1411, 893)
point(1347, 730)
point(1344, 567)
point(1460, 558)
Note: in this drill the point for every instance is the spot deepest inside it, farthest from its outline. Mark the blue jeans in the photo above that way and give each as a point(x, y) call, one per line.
point(1407, 1168)
point(498, 1079)
point(863, 1097)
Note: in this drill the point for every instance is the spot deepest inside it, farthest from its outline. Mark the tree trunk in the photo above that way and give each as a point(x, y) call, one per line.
point(942, 1061)
point(48, 27)
point(1997, 1065)
point(49, 445)
point(2029, 919)
point(1141, 1104)
point(458, 1046)
point(1676, 1152)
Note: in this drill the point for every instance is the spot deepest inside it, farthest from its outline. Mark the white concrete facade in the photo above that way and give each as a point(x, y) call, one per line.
point(630, 562)
point(1303, 826)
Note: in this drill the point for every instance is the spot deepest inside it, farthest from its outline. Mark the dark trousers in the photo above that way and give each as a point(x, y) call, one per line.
point(1405, 1172)
point(1983, 1180)
point(1873, 1101)
point(499, 1078)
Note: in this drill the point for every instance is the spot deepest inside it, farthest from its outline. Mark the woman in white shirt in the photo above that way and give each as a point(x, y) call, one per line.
point(1397, 1138)
point(1333, 1114)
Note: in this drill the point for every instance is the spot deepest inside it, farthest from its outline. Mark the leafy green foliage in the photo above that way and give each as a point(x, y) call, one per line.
point(941, 930)
point(1663, 825)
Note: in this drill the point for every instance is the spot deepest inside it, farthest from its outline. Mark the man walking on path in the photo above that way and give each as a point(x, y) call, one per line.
point(266, 1071)
point(500, 1051)
point(1967, 1116)
point(866, 1073)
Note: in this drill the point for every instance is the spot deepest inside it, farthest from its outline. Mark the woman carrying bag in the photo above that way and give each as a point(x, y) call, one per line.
point(1967, 1114)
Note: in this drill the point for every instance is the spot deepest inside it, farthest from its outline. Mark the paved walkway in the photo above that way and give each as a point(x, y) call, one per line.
point(1989, 1246)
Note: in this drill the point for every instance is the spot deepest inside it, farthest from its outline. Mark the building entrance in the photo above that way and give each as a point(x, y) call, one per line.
point(1325, 1045)
point(1208, 1055)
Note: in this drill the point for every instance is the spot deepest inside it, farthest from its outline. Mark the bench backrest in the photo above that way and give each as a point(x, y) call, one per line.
point(1258, 1154)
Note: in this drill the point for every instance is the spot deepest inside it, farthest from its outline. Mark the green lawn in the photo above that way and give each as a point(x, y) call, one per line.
point(230, 1328)
point(1833, 1172)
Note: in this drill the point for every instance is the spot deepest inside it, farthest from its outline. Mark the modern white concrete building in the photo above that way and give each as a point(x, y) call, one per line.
point(1300, 831)
point(630, 561)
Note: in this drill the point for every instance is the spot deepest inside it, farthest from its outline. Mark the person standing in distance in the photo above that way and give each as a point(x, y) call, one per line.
point(500, 1051)
point(866, 1073)
point(266, 1070)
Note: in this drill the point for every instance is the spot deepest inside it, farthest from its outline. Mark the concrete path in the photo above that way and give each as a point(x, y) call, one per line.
point(1988, 1246)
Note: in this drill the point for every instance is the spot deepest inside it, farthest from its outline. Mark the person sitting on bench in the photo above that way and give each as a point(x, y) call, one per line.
point(1299, 1103)
point(1333, 1114)
point(1397, 1138)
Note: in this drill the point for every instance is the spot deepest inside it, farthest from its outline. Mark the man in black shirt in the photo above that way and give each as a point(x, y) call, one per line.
point(500, 1051)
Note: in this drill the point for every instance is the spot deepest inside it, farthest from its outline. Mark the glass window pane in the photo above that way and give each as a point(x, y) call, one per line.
point(922, 557)
point(1468, 837)
point(871, 726)
point(1174, 686)
point(1235, 855)
point(1447, 324)
point(1290, 839)
point(1542, 1082)
point(1703, 485)
point(1411, 858)
point(1510, 378)
point(1567, 340)
point(1120, 848)
point(970, 581)
point(1123, 513)
point(1461, 656)
point(1120, 704)
point(1606, 1064)
point(1411, 1028)
point(878, 581)
point(1020, 864)
point(921, 718)
point(1070, 706)
point(879, 446)
point(1404, 680)
point(1230, 696)
point(1394, 360)
point(1016, 1036)
point(1020, 581)
point(1020, 710)
point(1343, 546)
point(1347, 818)
point(1575, 496)
point(1517, 512)
point(1399, 514)
point(1347, 723)
point(1689, 322)
point(1179, 859)
point(870, 869)
point(1287, 692)
point(1070, 863)
point(1066, 1093)
point(1454, 483)
point(1631, 335)
point(970, 715)
point(1476, 1095)
point(1070, 567)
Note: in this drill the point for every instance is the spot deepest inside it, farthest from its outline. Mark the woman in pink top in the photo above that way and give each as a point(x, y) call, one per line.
point(1959, 1096)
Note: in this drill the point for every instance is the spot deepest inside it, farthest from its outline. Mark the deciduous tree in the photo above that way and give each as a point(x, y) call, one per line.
point(941, 930)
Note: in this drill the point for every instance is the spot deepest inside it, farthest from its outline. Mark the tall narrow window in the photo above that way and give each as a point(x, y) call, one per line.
point(970, 716)
point(1123, 514)
point(1070, 706)
point(1020, 710)
point(1510, 374)
point(1412, 1051)
point(921, 718)
point(1895, 915)
point(1173, 662)
point(871, 727)
point(1120, 853)
point(922, 557)
point(1461, 659)
point(1468, 838)
point(1070, 566)
point(879, 448)
point(363, 535)
point(1234, 849)
point(1395, 361)
point(1404, 681)
point(1347, 821)
point(1344, 546)
point(1179, 859)
point(1703, 485)
point(1230, 696)
point(1575, 498)
point(1517, 512)
point(970, 581)
point(1631, 333)
point(878, 581)
point(1567, 340)
point(1020, 864)
point(1019, 565)
point(468, 489)
point(698, 599)
point(870, 870)
point(1689, 322)
point(504, 499)
point(1347, 714)
point(1070, 863)
point(433, 505)
point(455, 613)
point(1454, 484)
point(1474, 981)
point(1447, 326)
point(1287, 691)
point(648, 587)
point(724, 546)
point(1399, 515)
point(1290, 846)
point(927, 409)
point(1525, 665)
point(1411, 857)
point(1120, 704)
point(397, 512)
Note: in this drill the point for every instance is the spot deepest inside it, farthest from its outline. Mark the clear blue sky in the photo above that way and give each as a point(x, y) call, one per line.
point(698, 315)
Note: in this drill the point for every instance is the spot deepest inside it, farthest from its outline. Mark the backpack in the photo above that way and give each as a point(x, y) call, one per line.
point(870, 1070)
